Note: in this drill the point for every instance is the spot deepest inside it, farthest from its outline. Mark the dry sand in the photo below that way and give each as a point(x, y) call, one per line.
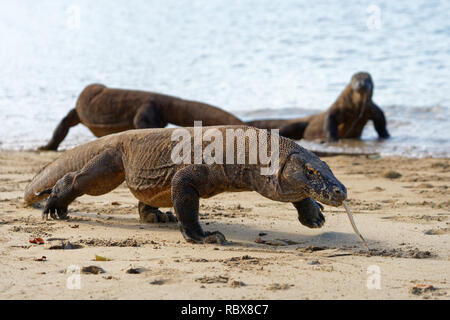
point(405, 220)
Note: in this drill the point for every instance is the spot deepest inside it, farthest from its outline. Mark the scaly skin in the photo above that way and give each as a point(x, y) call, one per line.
point(142, 158)
point(105, 111)
point(345, 119)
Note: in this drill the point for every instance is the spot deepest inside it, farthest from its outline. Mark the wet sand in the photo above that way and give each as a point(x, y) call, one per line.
point(401, 206)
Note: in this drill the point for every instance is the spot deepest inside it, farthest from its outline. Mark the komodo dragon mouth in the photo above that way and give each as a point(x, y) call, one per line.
point(334, 198)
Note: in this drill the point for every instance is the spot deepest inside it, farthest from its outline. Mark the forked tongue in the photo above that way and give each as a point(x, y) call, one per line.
point(350, 217)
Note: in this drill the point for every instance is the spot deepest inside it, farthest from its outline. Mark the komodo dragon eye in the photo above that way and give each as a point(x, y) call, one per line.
point(311, 171)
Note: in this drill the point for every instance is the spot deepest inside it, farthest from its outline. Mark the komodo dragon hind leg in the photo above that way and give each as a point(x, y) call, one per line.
point(151, 214)
point(188, 185)
point(100, 175)
point(70, 120)
point(310, 213)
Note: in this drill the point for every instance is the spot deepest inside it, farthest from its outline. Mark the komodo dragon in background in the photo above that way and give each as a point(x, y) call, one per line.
point(345, 119)
point(143, 159)
point(105, 111)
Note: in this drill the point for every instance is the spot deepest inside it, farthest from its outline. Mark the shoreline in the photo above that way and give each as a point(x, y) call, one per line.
point(405, 218)
point(325, 152)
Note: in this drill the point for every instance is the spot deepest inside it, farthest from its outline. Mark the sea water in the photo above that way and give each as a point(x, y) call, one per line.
point(257, 59)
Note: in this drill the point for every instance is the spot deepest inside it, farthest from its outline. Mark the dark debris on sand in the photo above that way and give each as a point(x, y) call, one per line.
point(399, 253)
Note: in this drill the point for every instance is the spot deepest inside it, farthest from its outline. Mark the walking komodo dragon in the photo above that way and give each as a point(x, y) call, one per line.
point(143, 159)
point(105, 111)
point(345, 119)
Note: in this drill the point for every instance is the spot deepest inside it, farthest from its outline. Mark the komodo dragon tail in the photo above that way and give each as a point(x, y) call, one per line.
point(70, 161)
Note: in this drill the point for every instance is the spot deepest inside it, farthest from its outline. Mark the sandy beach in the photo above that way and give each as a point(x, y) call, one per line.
point(401, 206)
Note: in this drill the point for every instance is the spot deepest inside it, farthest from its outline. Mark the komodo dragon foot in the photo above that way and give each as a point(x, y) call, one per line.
point(193, 233)
point(310, 213)
point(55, 208)
point(149, 214)
point(47, 148)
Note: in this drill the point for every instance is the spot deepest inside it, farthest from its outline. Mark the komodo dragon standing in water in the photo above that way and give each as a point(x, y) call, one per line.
point(143, 159)
point(105, 111)
point(345, 119)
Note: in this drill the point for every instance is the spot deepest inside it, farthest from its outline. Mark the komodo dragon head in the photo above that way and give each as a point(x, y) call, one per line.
point(304, 175)
point(362, 84)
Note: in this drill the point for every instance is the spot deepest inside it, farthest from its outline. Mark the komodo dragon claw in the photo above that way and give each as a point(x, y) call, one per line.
point(56, 211)
point(310, 213)
point(194, 234)
point(214, 237)
point(209, 237)
point(150, 214)
point(157, 217)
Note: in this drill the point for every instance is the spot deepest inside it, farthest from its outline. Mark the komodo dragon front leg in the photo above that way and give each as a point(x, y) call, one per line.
point(188, 186)
point(102, 174)
point(310, 213)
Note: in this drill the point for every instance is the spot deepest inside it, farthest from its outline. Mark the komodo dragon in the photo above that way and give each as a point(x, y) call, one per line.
point(346, 118)
point(143, 159)
point(105, 111)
